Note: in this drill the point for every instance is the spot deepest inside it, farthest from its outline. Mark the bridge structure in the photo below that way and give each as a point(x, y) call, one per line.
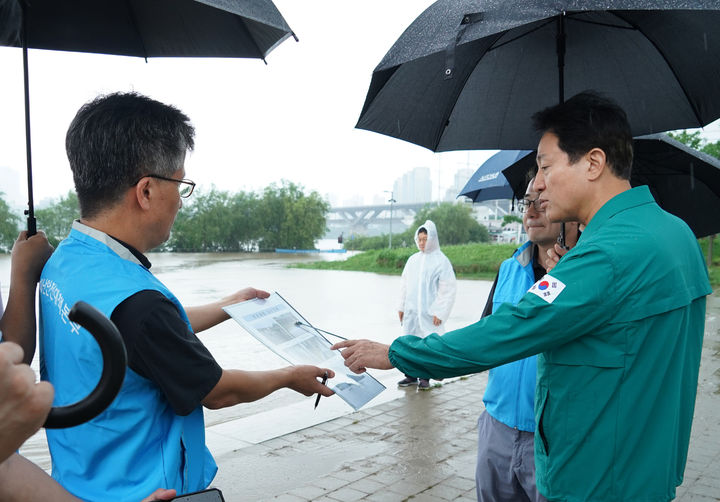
point(375, 219)
point(368, 220)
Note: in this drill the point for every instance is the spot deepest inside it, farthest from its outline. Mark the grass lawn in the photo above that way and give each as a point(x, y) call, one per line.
point(470, 261)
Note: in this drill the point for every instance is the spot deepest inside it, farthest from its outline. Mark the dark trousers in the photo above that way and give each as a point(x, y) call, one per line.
point(505, 469)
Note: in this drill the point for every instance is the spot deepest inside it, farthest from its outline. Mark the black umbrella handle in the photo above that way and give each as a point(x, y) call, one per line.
point(561, 237)
point(114, 365)
point(31, 226)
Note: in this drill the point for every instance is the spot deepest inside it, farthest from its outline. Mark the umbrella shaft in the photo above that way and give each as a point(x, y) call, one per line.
point(31, 230)
point(561, 57)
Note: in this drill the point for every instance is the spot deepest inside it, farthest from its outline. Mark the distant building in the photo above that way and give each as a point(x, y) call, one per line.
point(462, 176)
point(414, 186)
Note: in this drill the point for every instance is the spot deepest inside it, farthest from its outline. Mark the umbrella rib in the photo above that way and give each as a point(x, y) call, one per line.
point(133, 19)
point(551, 20)
point(540, 26)
point(257, 47)
point(597, 23)
point(669, 66)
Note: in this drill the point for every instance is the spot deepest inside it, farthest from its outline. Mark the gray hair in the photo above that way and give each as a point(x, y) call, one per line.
point(116, 139)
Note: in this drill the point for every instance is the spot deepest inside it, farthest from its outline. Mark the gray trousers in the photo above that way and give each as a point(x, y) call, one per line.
point(505, 469)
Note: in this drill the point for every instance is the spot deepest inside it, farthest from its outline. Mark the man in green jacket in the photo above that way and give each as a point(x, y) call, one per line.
point(618, 323)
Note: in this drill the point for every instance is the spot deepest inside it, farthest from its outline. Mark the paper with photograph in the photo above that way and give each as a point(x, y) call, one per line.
point(284, 331)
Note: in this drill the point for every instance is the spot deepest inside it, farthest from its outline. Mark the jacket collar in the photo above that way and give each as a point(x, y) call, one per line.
point(623, 201)
point(525, 253)
point(120, 248)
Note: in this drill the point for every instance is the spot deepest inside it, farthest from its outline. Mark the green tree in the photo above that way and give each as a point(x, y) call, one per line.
point(454, 222)
point(693, 140)
point(712, 149)
point(216, 221)
point(56, 219)
point(9, 226)
point(511, 218)
point(696, 141)
point(284, 216)
point(289, 218)
point(245, 227)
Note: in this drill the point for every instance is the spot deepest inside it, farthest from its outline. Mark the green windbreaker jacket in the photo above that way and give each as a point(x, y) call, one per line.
point(618, 324)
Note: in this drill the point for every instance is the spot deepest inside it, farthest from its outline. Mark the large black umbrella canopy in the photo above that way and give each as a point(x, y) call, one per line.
point(683, 181)
point(142, 28)
point(468, 74)
point(154, 28)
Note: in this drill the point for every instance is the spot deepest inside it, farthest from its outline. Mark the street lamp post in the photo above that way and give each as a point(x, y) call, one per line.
point(391, 201)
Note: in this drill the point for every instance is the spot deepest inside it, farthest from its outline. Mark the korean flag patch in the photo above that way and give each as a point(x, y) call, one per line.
point(548, 288)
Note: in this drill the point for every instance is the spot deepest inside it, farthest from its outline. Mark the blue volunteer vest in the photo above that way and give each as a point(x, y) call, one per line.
point(138, 444)
point(510, 393)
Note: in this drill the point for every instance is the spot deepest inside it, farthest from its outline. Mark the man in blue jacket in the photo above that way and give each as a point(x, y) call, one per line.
point(505, 464)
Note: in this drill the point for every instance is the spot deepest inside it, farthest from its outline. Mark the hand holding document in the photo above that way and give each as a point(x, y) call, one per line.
point(284, 331)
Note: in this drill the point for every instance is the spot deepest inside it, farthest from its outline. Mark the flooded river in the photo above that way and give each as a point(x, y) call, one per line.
point(351, 304)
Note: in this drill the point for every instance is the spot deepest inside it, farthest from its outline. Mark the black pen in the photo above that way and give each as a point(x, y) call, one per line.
point(317, 401)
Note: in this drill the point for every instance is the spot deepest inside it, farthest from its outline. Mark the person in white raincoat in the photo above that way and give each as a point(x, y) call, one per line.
point(427, 293)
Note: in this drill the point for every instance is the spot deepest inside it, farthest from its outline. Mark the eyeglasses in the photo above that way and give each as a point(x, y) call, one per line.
point(186, 186)
point(524, 205)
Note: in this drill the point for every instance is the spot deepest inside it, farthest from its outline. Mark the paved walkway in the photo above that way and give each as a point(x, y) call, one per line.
point(421, 447)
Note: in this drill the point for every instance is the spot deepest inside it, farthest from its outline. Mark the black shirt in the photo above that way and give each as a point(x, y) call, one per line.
point(161, 348)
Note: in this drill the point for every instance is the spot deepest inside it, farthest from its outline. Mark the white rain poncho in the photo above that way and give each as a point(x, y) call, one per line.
point(428, 287)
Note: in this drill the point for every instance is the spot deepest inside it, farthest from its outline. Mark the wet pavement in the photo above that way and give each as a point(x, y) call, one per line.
point(702, 473)
point(417, 445)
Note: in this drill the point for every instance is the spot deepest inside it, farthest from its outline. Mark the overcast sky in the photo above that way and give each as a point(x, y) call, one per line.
point(256, 124)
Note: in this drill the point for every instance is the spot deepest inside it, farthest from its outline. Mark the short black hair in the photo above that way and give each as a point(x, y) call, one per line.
point(589, 120)
point(422, 230)
point(116, 139)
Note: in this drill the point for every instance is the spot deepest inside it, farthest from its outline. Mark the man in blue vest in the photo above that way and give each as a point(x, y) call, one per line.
point(505, 470)
point(25, 403)
point(127, 155)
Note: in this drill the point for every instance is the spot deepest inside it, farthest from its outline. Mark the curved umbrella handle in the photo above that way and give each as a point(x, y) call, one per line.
point(114, 365)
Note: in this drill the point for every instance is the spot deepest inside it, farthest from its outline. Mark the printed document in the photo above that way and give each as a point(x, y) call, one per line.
point(284, 331)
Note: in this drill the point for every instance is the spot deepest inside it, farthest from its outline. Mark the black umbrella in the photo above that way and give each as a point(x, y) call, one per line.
point(683, 181)
point(142, 28)
point(468, 74)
